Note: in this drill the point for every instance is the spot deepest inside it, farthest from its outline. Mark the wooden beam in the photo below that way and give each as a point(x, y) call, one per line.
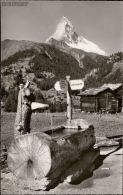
point(81, 103)
point(38, 155)
point(106, 101)
point(69, 99)
point(122, 98)
point(96, 104)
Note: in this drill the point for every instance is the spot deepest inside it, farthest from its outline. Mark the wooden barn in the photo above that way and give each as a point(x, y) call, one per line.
point(117, 90)
point(107, 98)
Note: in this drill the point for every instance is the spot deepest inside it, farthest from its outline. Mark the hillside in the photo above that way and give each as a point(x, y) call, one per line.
point(42, 60)
point(43, 64)
point(10, 47)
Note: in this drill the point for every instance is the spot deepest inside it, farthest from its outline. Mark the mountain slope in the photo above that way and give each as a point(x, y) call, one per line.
point(44, 64)
point(10, 47)
point(42, 60)
point(65, 32)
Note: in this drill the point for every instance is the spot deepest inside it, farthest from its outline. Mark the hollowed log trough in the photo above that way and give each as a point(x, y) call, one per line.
point(40, 155)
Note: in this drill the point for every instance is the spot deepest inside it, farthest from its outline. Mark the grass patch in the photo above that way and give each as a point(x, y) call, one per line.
point(104, 124)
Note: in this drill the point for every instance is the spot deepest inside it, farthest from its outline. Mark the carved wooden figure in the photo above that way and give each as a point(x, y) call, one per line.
point(23, 115)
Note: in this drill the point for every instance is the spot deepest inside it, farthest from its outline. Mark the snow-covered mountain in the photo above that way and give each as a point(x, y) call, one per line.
point(65, 32)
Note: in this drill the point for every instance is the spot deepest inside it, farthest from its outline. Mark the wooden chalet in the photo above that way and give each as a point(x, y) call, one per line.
point(117, 90)
point(107, 98)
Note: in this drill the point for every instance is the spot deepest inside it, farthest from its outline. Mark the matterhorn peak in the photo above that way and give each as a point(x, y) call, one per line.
point(62, 29)
point(65, 32)
point(65, 21)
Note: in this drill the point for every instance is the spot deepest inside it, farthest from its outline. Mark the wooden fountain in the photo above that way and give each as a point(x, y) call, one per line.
point(36, 156)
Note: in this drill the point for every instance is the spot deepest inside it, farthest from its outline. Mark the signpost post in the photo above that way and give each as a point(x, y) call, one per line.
point(122, 98)
point(68, 86)
point(69, 100)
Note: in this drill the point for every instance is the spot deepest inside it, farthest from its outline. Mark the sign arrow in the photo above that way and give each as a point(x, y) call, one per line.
point(74, 84)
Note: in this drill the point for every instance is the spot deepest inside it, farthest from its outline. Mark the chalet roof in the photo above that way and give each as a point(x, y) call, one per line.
point(112, 86)
point(93, 91)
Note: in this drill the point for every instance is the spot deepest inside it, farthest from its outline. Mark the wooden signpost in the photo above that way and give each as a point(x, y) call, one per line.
point(68, 85)
point(61, 85)
point(69, 100)
point(76, 84)
point(122, 99)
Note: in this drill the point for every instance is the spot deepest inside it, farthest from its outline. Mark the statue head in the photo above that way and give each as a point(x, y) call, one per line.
point(21, 86)
point(26, 92)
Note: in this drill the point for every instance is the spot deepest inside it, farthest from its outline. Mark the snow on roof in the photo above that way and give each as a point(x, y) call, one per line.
point(94, 91)
point(112, 86)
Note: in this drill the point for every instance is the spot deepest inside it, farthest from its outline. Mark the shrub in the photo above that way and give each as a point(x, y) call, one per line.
point(39, 75)
point(45, 84)
point(38, 96)
point(11, 101)
point(18, 78)
point(58, 107)
point(3, 92)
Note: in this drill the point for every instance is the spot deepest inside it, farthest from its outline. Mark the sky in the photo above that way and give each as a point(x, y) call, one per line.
point(98, 21)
